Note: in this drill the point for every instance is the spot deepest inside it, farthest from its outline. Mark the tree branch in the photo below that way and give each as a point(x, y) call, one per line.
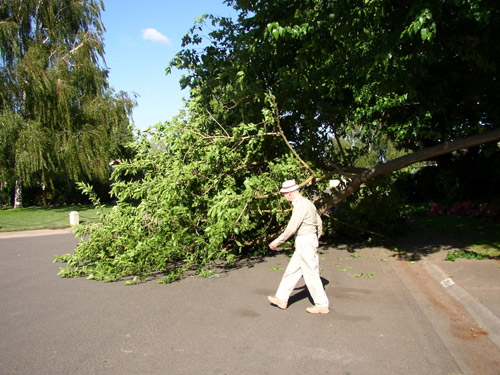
point(406, 160)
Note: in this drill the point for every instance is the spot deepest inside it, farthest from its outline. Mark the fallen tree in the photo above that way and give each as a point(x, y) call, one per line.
point(350, 78)
point(191, 197)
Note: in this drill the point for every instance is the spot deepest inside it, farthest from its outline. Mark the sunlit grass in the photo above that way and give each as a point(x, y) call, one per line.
point(44, 217)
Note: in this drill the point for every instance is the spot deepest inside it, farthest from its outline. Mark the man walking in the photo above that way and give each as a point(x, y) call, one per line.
point(306, 224)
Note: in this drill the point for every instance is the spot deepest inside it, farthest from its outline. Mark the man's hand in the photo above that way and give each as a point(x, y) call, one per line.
point(273, 245)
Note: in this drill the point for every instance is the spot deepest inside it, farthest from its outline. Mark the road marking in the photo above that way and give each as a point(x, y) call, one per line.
point(447, 282)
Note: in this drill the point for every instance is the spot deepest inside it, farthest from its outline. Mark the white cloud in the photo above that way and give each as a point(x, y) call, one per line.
point(154, 35)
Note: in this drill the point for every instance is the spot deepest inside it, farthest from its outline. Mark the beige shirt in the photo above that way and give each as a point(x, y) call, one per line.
point(305, 220)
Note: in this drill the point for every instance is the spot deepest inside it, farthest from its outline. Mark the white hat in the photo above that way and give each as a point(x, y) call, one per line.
point(289, 186)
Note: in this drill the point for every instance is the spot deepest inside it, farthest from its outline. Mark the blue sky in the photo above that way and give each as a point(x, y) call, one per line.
point(140, 40)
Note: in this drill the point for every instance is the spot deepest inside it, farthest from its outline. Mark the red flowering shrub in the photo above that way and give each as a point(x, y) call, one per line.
point(466, 208)
point(486, 212)
point(490, 212)
point(436, 210)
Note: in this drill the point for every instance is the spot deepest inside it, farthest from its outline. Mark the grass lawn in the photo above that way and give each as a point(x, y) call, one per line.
point(43, 217)
point(479, 236)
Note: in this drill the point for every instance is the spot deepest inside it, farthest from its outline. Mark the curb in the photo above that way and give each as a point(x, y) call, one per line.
point(483, 316)
point(34, 233)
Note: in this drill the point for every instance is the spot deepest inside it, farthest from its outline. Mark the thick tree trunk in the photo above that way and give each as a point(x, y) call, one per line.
point(18, 195)
point(404, 161)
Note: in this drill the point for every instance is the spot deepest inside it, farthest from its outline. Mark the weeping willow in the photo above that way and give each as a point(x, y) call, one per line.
point(58, 115)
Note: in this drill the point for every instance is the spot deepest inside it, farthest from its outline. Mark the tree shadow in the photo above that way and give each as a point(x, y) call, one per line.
point(217, 268)
point(242, 262)
point(248, 261)
point(350, 246)
point(419, 242)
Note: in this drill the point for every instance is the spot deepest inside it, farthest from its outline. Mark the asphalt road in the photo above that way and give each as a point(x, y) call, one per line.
point(388, 317)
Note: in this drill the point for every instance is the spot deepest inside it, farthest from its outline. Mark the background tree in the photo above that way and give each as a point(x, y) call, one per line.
point(60, 121)
point(295, 90)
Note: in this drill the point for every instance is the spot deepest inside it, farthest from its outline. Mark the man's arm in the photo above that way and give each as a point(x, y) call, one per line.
point(291, 228)
point(319, 225)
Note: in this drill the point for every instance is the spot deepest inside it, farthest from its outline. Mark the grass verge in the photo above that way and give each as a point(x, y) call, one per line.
point(31, 218)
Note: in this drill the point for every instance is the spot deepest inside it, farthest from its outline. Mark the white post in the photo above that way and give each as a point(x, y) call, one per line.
point(74, 218)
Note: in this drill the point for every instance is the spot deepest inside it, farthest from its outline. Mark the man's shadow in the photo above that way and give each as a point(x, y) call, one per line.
point(304, 293)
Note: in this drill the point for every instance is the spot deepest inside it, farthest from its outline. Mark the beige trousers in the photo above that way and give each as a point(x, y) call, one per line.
point(304, 263)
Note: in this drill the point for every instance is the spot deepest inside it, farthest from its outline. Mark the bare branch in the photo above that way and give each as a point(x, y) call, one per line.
point(228, 137)
point(276, 109)
point(218, 123)
point(242, 212)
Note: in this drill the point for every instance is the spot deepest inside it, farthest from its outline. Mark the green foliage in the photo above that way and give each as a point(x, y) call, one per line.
point(421, 73)
point(6, 192)
point(466, 254)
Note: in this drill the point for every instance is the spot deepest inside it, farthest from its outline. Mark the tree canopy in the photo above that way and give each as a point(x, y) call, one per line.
point(421, 72)
point(294, 90)
point(59, 118)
